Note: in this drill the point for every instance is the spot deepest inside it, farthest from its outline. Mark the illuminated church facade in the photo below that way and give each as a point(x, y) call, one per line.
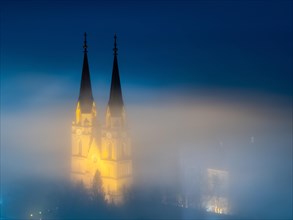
point(101, 153)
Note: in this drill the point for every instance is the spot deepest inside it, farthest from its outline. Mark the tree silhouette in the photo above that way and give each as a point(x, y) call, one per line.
point(98, 185)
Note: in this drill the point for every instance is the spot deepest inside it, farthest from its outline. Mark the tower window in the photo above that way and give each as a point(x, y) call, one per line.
point(109, 151)
point(79, 148)
point(124, 149)
point(86, 122)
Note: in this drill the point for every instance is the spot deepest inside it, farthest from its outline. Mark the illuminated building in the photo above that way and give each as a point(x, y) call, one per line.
point(215, 193)
point(101, 154)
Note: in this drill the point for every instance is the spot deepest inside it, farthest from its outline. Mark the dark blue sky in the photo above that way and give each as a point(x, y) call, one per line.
point(241, 50)
point(178, 45)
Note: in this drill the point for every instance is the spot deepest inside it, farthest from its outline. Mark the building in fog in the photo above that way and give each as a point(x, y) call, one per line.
point(215, 191)
point(101, 153)
point(101, 158)
point(204, 188)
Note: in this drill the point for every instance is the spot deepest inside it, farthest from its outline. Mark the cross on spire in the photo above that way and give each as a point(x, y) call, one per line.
point(85, 43)
point(115, 49)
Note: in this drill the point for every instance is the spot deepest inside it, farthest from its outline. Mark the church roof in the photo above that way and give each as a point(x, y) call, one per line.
point(116, 101)
point(85, 95)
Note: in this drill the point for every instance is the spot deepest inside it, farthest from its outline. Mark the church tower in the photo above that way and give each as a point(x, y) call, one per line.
point(84, 130)
point(116, 172)
point(101, 156)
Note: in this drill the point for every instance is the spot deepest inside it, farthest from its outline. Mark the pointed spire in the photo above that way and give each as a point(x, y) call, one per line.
point(85, 95)
point(116, 101)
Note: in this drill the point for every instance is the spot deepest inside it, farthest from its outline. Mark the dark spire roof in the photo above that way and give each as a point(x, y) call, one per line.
point(85, 95)
point(115, 102)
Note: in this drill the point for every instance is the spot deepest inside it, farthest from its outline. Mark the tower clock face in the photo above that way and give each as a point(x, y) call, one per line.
point(78, 131)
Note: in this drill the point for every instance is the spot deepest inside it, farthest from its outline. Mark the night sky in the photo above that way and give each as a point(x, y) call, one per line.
point(198, 77)
point(181, 46)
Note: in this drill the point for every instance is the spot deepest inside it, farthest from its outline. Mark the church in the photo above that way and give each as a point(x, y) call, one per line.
point(101, 158)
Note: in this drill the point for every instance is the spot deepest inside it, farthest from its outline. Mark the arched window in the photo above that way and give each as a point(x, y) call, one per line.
point(79, 148)
point(124, 149)
point(86, 122)
point(109, 151)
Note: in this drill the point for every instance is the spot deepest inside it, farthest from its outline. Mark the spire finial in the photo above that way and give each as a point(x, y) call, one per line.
point(115, 49)
point(85, 43)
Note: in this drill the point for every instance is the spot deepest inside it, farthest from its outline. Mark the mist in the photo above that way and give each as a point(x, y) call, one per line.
point(174, 137)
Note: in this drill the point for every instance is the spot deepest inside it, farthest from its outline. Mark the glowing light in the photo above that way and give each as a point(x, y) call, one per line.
point(109, 159)
point(217, 184)
point(31, 215)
